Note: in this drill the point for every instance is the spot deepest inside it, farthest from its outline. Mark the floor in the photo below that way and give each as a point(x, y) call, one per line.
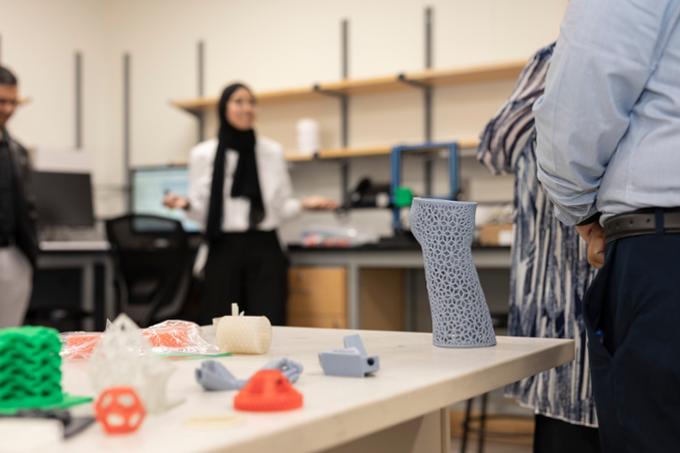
point(490, 447)
point(509, 428)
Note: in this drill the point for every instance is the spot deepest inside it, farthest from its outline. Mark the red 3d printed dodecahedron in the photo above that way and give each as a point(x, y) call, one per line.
point(119, 410)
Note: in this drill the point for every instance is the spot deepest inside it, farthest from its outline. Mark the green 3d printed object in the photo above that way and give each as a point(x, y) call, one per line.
point(403, 197)
point(30, 370)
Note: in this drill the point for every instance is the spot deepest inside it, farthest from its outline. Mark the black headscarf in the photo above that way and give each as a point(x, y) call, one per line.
point(246, 181)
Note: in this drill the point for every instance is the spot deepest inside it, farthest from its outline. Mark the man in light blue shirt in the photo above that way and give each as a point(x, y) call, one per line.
point(608, 144)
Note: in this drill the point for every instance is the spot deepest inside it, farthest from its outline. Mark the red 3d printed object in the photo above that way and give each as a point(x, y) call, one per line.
point(268, 390)
point(119, 410)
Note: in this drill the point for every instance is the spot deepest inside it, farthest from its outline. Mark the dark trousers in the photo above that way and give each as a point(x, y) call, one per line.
point(249, 269)
point(632, 314)
point(556, 436)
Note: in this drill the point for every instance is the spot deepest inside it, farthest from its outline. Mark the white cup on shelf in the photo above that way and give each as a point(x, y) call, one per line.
point(307, 136)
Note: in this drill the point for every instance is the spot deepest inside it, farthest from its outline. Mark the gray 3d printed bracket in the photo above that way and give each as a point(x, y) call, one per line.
point(352, 361)
point(215, 377)
point(290, 368)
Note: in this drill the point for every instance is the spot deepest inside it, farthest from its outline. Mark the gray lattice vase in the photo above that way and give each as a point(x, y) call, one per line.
point(460, 316)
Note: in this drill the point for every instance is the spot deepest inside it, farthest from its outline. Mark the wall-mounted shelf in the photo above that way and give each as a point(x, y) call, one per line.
point(348, 153)
point(471, 74)
point(434, 77)
point(197, 105)
point(200, 105)
point(341, 153)
point(364, 86)
point(293, 94)
point(342, 90)
point(292, 157)
point(469, 144)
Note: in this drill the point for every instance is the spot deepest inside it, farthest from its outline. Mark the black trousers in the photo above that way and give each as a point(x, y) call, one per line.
point(632, 314)
point(556, 436)
point(250, 269)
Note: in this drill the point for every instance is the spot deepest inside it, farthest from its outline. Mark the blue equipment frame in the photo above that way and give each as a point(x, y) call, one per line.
point(396, 169)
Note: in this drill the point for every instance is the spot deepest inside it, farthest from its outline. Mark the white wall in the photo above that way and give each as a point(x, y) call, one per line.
point(270, 44)
point(274, 44)
point(39, 41)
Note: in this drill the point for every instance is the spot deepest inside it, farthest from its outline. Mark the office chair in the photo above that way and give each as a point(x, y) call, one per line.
point(152, 266)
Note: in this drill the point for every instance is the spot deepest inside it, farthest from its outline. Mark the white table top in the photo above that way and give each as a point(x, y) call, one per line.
point(415, 378)
point(74, 246)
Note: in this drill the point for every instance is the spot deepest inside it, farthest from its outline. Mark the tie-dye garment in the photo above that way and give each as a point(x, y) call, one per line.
point(550, 272)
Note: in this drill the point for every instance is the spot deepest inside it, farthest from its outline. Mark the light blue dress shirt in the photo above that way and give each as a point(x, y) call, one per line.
point(608, 125)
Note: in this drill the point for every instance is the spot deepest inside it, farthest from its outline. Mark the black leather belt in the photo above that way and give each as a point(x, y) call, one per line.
point(640, 222)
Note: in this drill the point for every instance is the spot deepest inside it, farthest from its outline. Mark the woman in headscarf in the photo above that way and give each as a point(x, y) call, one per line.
point(240, 190)
point(550, 274)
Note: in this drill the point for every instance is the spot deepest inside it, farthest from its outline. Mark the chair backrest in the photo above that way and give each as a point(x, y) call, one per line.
point(151, 256)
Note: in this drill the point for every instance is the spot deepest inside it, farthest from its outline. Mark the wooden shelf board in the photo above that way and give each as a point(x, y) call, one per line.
point(355, 152)
point(436, 77)
point(292, 94)
point(197, 105)
point(365, 86)
point(465, 144)
point(200, 105)
point(473, 74)
point(468, 143)
point(293, 157)
point(342, 153)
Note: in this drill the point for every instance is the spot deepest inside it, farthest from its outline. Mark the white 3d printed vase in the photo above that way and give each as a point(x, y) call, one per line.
point(460, 316)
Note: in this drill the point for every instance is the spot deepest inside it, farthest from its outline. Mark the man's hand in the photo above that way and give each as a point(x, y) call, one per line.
point(593, 234)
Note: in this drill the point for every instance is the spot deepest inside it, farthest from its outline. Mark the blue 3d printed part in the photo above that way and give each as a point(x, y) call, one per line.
point(215, 377)
point(352, 361)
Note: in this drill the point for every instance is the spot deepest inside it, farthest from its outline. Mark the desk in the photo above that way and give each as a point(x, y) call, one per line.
point(84, 255)
point(87, 254)
point(403, 408)
point(407, 256)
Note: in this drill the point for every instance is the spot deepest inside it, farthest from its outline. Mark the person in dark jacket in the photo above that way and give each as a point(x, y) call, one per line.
point(18, 238)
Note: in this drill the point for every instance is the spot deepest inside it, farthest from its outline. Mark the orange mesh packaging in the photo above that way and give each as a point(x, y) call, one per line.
point(78, 345)
point(168, 337)
point(176, 336)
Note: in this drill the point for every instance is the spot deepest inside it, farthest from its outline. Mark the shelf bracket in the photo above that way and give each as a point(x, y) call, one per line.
point(428, 91)
point(344, 109)
point(78, 70)
point(332, 93)
point(403, 78)
point(127, 124)
point(344, 137)
point(200, 86)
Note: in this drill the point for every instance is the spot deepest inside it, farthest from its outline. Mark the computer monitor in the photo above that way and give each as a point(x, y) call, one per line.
point(149, 186)
point(63, 199)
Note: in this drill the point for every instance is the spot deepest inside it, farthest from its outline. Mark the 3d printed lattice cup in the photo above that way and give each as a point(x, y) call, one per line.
point(460, 316)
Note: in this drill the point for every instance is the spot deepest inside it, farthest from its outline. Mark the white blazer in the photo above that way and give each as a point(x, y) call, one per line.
point(277, 193)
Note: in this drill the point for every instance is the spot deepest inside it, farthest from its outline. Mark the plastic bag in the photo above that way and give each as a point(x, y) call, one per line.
point(178, 337)
point(78, 345)
point(171, 337)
